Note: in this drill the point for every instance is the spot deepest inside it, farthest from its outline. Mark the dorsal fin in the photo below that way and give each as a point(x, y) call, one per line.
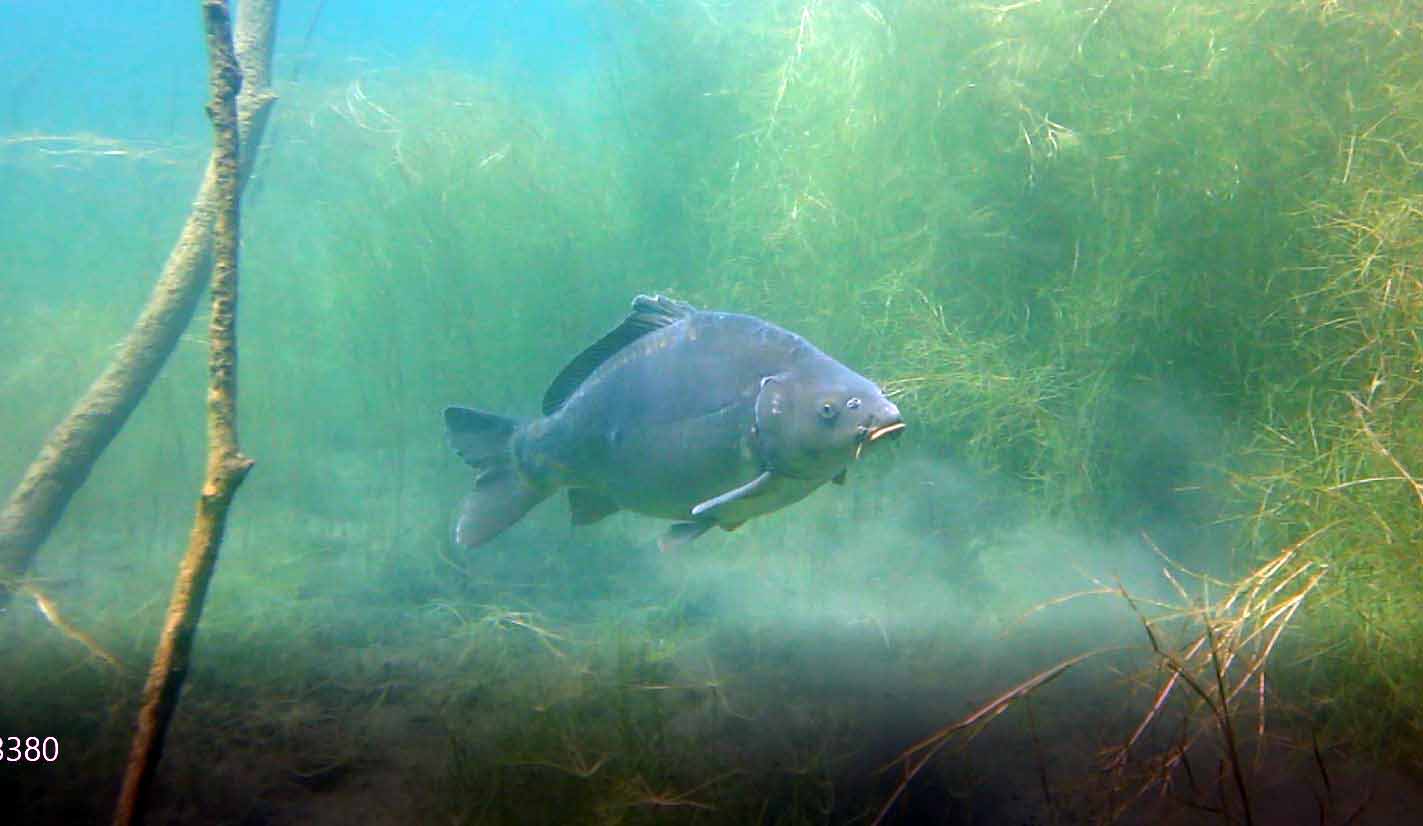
point(648, 313)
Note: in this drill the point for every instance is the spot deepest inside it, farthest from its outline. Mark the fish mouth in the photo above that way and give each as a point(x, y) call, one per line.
point(870, 434)
point(892, 430)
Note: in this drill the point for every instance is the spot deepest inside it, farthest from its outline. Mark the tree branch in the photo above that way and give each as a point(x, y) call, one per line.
point(71, 450)
point(226, 466)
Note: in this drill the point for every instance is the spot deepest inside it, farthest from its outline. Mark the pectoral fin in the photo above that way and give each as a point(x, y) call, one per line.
point(839, 478)
point(755, 487)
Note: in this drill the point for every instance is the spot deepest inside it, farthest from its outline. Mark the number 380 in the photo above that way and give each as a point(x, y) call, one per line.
point(29, 749)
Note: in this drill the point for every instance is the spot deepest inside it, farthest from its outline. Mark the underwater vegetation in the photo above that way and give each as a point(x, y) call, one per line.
point(1145, 279)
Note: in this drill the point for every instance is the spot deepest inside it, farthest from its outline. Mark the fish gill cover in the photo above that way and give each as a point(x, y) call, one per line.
point(1144, 278)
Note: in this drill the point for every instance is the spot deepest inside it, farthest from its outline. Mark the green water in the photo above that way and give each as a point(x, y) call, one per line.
point(1144, 279)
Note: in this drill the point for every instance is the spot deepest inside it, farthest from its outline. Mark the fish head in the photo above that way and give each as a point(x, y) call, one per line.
point(813, 421)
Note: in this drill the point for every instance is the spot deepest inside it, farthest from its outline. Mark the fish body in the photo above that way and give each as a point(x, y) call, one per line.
point(706, 418)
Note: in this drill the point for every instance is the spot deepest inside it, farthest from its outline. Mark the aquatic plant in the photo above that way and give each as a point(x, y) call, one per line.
point(1157, 261)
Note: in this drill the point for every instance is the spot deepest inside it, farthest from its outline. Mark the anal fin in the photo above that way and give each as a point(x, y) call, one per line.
point(680, 534)
point(499, 499)
point(588, 506)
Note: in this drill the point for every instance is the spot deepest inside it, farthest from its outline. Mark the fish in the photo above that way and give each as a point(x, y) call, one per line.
point(705, 418)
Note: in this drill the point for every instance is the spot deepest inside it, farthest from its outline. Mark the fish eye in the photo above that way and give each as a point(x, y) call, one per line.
point(853, 403)
point(827, 410)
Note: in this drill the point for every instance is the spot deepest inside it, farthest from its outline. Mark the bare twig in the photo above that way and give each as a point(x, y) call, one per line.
point(226, 465)
point(51, 613)
point(1238, 636)
point(1227, 726)
point(917, 756)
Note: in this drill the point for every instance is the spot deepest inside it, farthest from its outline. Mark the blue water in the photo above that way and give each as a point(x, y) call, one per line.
point(136, 69)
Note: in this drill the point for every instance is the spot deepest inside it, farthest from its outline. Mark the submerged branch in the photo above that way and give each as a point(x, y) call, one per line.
point(51, 612)
point(226, 465)
point(72, 449)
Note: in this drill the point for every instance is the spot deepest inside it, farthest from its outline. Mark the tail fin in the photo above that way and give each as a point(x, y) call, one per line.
point(501, 495)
